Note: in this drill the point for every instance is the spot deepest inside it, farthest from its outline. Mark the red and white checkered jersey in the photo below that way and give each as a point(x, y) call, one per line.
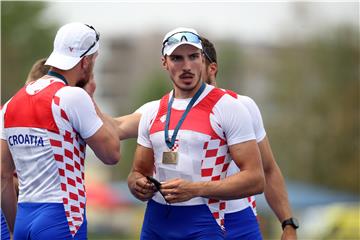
point(260, 133)
point(215, 122)
point(258, 126)
point(44, 125)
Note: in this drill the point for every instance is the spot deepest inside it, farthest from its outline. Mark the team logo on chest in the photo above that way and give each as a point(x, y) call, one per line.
point(163, 118)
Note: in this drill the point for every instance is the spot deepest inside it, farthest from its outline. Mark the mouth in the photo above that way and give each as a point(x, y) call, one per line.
point(186, 76)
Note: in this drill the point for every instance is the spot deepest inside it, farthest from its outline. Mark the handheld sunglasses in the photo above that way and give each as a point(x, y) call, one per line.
point(97, 39)
point(179, 37)
point(157, 186)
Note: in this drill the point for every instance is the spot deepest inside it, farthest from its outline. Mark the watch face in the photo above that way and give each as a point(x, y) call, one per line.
point(295, 222)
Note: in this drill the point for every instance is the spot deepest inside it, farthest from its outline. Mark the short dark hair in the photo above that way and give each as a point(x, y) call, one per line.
point(209, 50)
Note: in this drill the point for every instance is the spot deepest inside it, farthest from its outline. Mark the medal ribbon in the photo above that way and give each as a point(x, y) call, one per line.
point(171, 143)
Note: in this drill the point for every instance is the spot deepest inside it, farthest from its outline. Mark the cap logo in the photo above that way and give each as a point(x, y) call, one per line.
point(183, 38)
point(71, 49)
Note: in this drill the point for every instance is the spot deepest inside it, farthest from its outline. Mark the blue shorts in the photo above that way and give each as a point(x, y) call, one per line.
point(5, 235)
point(179, 222)
point(44, 221)
point(242, 225)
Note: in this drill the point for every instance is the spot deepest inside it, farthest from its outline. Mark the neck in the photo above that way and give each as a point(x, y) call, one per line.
point(69, 75)
point(183, 94)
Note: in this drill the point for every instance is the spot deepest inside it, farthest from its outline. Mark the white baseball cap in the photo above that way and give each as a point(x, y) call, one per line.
point(178, 37)
point(72, 42)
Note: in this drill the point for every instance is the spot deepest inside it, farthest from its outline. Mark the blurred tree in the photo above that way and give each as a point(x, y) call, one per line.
point(25, 37)
point(316, 101)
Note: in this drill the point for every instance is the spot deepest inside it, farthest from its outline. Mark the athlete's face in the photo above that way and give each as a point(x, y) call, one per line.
point(185, 66)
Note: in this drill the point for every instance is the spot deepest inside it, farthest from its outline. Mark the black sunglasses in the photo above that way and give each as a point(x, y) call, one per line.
point(97, 39)
point(157, 186)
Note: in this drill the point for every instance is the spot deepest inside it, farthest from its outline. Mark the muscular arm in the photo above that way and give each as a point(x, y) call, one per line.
point(105, 142)
point(275, 189)
point(143, 165)
point(127, 126)
point(248, 182)
point(8, 194)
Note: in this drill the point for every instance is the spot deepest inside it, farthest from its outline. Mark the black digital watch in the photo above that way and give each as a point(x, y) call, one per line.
point(292, 222)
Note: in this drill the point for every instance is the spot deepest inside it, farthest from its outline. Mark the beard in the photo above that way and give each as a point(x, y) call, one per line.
point(85, 77)
point(188, 88)
point(81, 83)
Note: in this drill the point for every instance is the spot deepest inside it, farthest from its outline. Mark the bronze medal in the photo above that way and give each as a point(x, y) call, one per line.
point(170, 158)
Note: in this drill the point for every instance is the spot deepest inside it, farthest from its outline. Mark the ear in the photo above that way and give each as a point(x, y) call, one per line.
point(213, 69)
point(85, 61)
point(164, 62)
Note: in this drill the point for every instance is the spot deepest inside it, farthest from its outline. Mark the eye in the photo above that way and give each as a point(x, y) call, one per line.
point(175, 58)
point(194, 56)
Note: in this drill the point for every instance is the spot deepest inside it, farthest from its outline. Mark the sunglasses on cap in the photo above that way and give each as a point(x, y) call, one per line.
point(97, 39)
point(179, 37)
point(208, 57)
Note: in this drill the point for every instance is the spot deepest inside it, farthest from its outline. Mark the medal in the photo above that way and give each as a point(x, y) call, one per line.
point(170, 157)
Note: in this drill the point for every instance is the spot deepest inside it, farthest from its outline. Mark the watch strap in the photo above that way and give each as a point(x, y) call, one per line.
point(291, 221)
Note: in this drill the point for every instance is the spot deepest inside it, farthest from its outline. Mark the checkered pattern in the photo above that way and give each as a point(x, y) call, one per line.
point(252, 203)
point(176, 146)
point(214, 166)
point(69, 153)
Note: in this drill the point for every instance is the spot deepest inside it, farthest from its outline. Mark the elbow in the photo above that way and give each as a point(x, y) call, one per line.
point(114, 158)
point(115, 155)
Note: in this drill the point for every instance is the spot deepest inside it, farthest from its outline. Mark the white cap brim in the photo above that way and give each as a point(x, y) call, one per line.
point(61, 61)
point(65, 62)
point(168, 50)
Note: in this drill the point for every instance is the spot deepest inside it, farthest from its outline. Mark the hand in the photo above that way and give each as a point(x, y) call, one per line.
point(90, 86)
point(289, 233)
point(143, 189)
point(177, 190)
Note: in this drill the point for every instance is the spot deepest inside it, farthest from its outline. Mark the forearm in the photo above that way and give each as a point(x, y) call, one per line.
point(276, 194)
point(8, 200)
point(111, 126)
point(127, 126)
point(249, 181)
point(240, 185)
point(108, 121)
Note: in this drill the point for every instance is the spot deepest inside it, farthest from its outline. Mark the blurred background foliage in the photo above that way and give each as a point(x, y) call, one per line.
point(307, 89)
point(25, 37)
point(311, 103)
point(315, 131)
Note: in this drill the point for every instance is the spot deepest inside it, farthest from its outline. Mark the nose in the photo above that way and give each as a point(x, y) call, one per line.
point(187, 65)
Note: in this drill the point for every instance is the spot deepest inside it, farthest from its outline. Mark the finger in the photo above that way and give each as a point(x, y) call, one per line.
point(171, 198)
point(170, 191)
point(169, 185)
point(143, 183)
point(143, 190)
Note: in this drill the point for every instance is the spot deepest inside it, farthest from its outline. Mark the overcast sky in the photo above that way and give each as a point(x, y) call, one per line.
point(248, 21)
